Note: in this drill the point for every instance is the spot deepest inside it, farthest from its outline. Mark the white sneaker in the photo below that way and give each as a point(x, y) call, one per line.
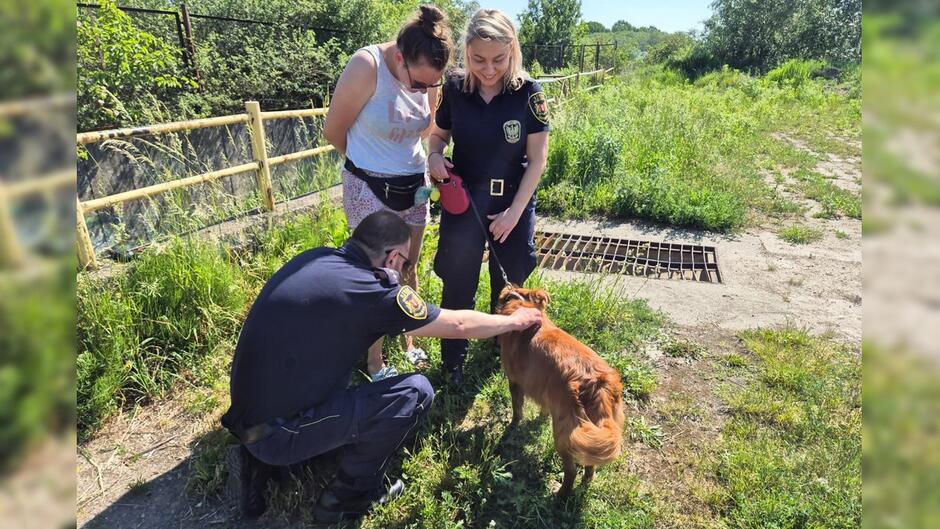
point(417, 356)
point(385, 372)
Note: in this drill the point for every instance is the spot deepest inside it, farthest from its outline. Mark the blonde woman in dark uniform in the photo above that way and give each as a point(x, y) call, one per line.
point(381, 109)
point(498, 120)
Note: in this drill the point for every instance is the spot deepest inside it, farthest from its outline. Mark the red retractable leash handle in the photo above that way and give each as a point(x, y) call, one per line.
point(454, 197)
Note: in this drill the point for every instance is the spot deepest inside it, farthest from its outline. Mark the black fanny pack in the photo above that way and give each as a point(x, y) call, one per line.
point(397, 193)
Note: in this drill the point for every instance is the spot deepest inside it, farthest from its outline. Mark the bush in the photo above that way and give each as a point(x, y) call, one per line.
point(795, 72)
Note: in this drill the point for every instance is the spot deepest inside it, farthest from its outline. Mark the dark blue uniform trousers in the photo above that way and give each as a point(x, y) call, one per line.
point(460, 252)
point(368, 423)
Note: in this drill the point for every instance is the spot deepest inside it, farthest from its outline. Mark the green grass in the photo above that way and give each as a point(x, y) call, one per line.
point(800, 234)
point(654, 146)
point(643, 432)
point(901, 454)
point(834, 200)
point(684, 349)
point(790, 454)
point(37, 383)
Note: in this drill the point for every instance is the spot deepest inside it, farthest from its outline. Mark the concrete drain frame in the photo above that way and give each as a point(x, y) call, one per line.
point(658, 260)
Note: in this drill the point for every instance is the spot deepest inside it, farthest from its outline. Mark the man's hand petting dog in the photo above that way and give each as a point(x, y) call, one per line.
point(526, 317)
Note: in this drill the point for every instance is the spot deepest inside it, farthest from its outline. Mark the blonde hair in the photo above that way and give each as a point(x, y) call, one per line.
point(493, 24)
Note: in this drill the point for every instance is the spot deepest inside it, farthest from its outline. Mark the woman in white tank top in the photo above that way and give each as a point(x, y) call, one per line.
point(382, 108)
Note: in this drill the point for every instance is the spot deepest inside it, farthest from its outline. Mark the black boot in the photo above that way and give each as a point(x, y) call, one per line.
point(247, 481)
point(338, 503)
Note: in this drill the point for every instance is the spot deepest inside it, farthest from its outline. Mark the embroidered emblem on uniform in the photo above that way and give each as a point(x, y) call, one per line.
point(513, 130)
point(539, 106)
point(411, 303)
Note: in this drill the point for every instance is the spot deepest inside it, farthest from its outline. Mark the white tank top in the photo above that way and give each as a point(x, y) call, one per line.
point(386, 136)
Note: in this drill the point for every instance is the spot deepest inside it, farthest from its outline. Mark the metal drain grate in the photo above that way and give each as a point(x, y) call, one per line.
point(660, 260)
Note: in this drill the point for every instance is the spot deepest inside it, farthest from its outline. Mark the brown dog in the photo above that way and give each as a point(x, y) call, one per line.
point(569, 381)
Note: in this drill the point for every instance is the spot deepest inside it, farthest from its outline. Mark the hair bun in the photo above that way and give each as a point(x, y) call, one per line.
point(430, 16)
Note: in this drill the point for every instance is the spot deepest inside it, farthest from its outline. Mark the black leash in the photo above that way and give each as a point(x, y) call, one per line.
point(489, 242)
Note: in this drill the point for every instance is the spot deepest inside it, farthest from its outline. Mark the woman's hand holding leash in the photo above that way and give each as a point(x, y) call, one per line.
point(438, 166)
point(503, 223)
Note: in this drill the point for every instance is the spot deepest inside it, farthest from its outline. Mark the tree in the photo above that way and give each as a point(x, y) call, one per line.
point(671, 48)
point(550, 22)
point(761, 34)
point(595, 27)
point(622, 25)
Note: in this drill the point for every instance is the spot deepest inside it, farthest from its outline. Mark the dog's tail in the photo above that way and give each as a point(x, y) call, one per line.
point(599, 441)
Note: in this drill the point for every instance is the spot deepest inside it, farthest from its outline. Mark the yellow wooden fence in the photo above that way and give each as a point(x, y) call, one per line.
point(261, 163)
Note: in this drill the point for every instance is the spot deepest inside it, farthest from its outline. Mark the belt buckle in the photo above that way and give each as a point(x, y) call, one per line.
point(493, 187)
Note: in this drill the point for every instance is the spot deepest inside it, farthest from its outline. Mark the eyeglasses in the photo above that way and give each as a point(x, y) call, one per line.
point(407, 264)
point(419, 85)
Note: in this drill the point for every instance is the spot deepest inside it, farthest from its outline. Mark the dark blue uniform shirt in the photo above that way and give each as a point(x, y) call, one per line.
point(490, 138)
point(312, 322)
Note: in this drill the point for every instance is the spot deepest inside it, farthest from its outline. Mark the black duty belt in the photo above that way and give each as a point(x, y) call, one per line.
point(497, 187)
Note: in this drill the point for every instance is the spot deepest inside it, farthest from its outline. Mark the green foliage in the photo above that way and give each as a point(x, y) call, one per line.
point(790, 456)
point(795, 72)
point(594, 27)
point(755, 35)
point(117, 62)
point(36, 380)
point(126, 61)
point(672, 49)
point(684, 349)
point(800, 234)
point(622, 25)
point(37, 48)
point(553, 22)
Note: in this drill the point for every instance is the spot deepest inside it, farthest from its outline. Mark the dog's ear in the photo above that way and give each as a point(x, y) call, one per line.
point(504, 297)
point(540, 298)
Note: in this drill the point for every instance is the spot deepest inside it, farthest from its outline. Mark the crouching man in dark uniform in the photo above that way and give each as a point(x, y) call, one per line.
point(312, 322)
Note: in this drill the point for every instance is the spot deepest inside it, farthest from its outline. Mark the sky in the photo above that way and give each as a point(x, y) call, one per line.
point(667, 15)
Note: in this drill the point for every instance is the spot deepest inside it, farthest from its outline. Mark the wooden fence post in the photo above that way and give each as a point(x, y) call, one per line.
point(597, 59)
point(260, 150)
point(190, 41)
point(85, 250)
point(10, 252)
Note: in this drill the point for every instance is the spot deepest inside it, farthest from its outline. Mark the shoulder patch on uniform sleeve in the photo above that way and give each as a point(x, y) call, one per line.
point(539, 106)
point(411, 303)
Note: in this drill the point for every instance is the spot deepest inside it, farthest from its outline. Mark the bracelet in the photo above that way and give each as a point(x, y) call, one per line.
point(435, 152)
